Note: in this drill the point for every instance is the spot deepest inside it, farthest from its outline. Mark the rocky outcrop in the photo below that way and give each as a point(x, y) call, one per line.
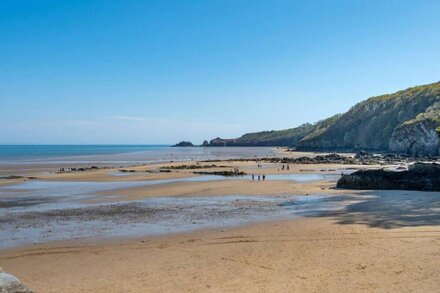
point(361, 158)
point(230, 173)
point(416, 138)
point(320, 159)
point(191, 167)
point(184, 144)
point(221, 142)
point(11, 284)
point(221, 173)
point(420, 176)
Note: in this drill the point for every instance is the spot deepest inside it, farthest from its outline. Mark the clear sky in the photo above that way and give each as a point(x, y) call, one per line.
point(151, 71)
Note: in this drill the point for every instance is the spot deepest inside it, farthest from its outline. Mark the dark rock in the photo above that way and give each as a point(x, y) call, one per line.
point(235, 172)
point(191, 167)
point(184, 144)
point(366, 159)
point(320, 159)
point(12, 177)
point(420, 176)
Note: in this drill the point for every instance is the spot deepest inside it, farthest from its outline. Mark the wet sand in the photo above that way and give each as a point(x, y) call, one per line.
point(303, 255)
point(362, 241)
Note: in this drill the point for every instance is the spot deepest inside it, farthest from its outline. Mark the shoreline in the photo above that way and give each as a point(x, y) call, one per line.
point(293, 246)
point(130, 159)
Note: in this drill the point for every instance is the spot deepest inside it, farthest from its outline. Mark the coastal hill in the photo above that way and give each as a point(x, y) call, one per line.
point(267, 138)
point(407, 121)
point(287, 137)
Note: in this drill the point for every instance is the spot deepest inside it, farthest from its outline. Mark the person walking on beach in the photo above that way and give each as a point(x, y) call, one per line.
point(258, 177)
point(253, 177)
point(264, 177)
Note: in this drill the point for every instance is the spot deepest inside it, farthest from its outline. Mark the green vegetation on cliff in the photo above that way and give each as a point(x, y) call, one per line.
point(370, 124)
point(321, 127)
point(398, 121)
point(288, 137)
point(285, 137)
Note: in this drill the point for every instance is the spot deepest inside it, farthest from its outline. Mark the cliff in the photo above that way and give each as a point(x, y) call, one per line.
point(383, 123)
point(407, 121)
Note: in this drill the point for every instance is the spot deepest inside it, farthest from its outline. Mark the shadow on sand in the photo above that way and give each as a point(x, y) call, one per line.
point(388, 209)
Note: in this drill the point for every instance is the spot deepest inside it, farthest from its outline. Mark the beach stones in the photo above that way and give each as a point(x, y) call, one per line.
point(11, 284)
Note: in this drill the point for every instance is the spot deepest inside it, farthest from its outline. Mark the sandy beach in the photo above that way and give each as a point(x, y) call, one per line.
point(303, 255)
point(366, 241)
point(219, 146)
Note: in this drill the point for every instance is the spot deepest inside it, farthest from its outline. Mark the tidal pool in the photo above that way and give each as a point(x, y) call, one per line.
point(152, 216)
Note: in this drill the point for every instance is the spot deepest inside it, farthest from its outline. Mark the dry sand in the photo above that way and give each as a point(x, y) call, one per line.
point(304, 255)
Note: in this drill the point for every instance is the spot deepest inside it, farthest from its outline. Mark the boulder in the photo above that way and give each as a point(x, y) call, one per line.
point(11, 284)
point(420, 176)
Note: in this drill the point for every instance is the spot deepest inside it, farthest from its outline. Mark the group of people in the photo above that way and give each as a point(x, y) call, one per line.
point(286, 167)
point(263, 177)
point(260, 177)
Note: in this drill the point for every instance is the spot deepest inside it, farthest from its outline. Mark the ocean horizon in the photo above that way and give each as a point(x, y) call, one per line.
point(12, 152)
point(26, 159)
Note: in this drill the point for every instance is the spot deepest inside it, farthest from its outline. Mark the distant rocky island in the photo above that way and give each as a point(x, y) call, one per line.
point(407, 121)
point(184, 144)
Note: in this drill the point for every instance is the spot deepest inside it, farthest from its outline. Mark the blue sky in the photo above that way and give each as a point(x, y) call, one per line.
point(163, 71)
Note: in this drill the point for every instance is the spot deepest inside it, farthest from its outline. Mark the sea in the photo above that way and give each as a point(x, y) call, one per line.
point(30, 159)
